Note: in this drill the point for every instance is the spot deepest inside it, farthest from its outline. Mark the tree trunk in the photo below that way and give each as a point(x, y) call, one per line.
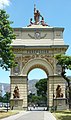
point(70, 97)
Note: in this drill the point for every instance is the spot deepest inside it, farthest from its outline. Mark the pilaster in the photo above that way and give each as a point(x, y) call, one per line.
point(21, 82)
point(53, 82)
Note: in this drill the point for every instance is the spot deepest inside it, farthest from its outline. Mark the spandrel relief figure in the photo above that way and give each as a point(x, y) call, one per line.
point(58, 92)
point(16, 92)
point(17, 68)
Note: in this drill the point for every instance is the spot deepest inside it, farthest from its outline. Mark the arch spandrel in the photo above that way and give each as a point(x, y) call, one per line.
point(37, 63)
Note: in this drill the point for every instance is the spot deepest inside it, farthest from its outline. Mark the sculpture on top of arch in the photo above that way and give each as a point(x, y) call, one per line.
point(38, 18)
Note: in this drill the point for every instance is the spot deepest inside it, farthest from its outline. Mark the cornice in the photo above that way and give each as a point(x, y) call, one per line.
point(51, 46)
point(41, 29)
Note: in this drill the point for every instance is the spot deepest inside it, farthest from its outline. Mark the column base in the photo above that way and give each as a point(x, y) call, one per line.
point(17, 104)
point(60, 103)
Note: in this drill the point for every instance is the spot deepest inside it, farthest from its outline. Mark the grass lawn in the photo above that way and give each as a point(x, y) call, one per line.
point(4, 114)
point(63, 115)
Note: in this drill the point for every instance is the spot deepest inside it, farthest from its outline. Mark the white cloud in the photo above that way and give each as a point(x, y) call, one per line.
point(4, 3)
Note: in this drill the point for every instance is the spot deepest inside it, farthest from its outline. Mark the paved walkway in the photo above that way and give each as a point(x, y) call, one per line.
point(32, 115)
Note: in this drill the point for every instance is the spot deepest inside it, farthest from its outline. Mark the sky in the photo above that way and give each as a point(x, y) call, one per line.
point(57, 13)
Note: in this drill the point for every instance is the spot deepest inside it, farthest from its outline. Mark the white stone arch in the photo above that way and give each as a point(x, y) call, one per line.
point(37, 63)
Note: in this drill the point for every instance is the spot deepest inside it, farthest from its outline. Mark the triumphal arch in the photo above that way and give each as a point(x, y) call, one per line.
point(35, 47)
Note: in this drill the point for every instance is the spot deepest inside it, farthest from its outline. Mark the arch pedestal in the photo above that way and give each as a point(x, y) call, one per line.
point(21, 102)
point(53, 82)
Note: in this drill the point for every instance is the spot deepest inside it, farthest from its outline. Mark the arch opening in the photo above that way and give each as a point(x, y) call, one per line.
point(37, 88)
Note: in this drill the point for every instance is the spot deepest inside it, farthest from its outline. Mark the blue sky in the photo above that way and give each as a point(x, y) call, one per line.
point(55, 12)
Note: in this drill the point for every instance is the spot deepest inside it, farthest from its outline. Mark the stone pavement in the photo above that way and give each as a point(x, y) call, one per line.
point(48, 116)
point(32, 115)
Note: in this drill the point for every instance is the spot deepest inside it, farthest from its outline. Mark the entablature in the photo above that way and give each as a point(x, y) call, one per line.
point(40, 49)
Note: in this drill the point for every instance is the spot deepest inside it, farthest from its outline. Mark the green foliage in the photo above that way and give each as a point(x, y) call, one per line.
point(41, 86)
point(6, 97)
point(6, 37)
point(0, 99)
point(41, 97)
point(33, 99)
point(64, 60)
point(63, 115)
point(36, 99)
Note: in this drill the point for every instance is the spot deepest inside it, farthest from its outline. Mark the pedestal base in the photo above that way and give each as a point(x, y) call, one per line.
point(60, 103)
point(17, 104)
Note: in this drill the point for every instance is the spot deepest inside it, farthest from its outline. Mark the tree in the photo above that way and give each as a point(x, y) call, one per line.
point(65, 62)
point(33, 99)
point(6, 99)
point(6, 36)
point(41, 86)
point(0, 98)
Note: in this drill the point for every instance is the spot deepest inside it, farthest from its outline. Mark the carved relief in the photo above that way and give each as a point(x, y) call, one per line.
point(40, 51)
point(31, 36)
point(58, 35)
point(25, 59)
point(48, 58)
point(58, 69)
point(18, 59)
point(37, 36)
point(16, 69)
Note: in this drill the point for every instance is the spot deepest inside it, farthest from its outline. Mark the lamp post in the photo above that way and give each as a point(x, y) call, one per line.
point(7, 95)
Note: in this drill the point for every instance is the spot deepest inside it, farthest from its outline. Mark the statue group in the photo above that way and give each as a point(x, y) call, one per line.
point(37, 19)
point(58, 92)
point(16, 92)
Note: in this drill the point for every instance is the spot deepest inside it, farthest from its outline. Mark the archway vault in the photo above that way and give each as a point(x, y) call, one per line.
point(38, 63)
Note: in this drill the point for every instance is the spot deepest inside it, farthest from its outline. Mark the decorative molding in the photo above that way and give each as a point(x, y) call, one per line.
point(31, 36)
point(41, 37)
point(44, 36)
point(25, 59)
